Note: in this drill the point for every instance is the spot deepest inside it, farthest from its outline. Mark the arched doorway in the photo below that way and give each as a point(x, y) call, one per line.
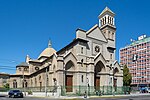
point(14, 83)
point(40, 83)
point(99, 67)
point(69, 76)
point(24, 84)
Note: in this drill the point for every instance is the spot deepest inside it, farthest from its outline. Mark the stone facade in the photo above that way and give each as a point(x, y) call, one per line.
point(88, 59)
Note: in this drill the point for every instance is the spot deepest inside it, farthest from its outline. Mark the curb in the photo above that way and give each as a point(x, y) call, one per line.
point(81, 97)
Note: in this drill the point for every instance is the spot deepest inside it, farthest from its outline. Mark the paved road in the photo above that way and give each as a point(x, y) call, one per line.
point(142, 97)
point(25, 98)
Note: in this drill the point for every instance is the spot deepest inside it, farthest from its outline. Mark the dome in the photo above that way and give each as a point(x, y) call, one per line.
point(23, 64)
point(47, 52)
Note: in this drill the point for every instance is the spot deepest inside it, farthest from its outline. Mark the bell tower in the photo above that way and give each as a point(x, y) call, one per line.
point(108, 28)
point(107, 23)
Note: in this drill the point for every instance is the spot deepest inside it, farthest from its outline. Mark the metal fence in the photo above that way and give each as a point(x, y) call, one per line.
point(78, 90)
point(91, 90)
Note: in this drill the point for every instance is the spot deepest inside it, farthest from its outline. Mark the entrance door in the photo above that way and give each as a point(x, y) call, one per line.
point(97, 83)
point(69, 82)
point(115, 84)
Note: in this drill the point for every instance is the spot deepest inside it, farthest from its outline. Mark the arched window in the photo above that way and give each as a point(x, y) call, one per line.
point(108, 19)
point(81, 62)
point(24, 83)
point(111, 20)
point(35, 82)
point(105, 20)
point(19, 69)
point(39, 77)
point(112, 36)
point(25, 69)
point(82, 78)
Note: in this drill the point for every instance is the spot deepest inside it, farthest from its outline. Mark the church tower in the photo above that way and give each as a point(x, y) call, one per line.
point(108, 28)
point(107, 23)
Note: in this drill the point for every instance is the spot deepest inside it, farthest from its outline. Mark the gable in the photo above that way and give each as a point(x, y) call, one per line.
point(97, 34)
point(99, 57)
point(118, 67)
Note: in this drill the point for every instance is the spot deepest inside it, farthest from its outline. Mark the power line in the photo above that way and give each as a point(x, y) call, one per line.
point(10, 60)
point(8, 68)
point(1, 66)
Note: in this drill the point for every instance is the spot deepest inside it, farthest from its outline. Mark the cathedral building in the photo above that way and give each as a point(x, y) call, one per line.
point(88, 60)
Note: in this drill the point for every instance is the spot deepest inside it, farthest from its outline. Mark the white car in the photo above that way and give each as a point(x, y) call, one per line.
point(148, 90)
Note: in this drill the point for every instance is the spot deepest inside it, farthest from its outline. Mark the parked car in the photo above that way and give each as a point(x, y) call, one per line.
point(144, 90)
point(15, 93)
point(148, 90)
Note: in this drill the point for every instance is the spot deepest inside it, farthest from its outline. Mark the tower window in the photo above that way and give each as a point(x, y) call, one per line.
point(112, 35)
point(108, 19)
point(109, 34)
point(110, 56)
point(81, 62)
point(105, 20)
point(111, 20)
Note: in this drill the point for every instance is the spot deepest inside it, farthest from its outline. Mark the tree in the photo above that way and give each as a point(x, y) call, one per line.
point(6, 86)
point(127, 78)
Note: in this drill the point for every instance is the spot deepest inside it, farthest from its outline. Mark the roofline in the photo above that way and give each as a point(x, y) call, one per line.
point(70, 44)
point(80, 30)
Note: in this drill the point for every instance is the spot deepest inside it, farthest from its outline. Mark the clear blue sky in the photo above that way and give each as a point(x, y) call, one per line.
point(27, 25)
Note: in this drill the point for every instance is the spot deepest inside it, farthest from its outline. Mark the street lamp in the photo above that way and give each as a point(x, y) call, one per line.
point(46, 76)
point(87, 80)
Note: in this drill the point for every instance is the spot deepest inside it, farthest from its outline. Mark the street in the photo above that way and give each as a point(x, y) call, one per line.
point(141, 97)
point(25, 98)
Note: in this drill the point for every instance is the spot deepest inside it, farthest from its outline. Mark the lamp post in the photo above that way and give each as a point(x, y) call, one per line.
point(87, 80)
point(46, 76)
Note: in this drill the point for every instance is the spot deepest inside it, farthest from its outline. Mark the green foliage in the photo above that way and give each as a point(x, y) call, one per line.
point(127, 78)
point(6, 86)
point(29, 92)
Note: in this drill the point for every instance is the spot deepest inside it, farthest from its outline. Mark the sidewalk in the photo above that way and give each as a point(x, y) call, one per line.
point(82, 97)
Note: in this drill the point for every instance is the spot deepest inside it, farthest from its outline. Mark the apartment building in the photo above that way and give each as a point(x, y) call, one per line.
point(137, 57)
